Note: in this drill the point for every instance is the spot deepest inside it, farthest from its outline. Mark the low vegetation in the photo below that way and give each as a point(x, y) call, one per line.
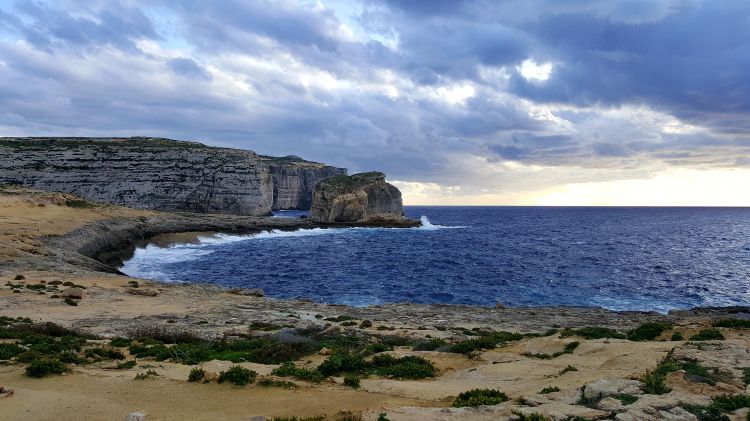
point(719, 407)
point(708, 335)
point(238, 376)
point(44, 366)
point(654, 380)
point(196, 374)
point(648, 331)
point(489, 341)
point(732, 323)
point(477, 397)
point(592, 333)
point(569, 348)
point(549, 389)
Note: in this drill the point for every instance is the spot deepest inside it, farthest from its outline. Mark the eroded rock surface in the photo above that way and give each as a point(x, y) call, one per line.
point(162, 174)
point(357, 198)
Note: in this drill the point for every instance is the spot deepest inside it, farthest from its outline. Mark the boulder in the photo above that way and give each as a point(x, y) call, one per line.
point(73, 292)
point(360, 198)
point(609, 387)
point(135, 416)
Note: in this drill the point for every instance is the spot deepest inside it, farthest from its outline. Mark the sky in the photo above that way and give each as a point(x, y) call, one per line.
point(485, 102)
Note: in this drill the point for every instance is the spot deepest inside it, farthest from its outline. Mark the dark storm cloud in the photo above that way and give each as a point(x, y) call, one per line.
point(416, 89)
point(46, 26)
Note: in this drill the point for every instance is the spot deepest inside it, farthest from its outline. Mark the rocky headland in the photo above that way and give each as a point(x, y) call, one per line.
point(162, 174)
point(363, 198)
point(122, 346)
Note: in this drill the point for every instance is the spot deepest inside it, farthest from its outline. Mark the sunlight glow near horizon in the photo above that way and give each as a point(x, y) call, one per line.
point(680, 187)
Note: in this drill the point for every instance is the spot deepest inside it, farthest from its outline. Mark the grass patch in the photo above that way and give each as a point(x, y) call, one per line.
point(484, 342)
point(79, 203)
point(567, 369)
point(648, 331)
point(592, 333)
point(549, 389)
point(477, 397)
point(428, 345)
point(266, 382)
point(126, 365)
point(238, 376)
point(708, 335)
point(626, 399)
point(288, 369)
point(732, 323)
point(569, 348)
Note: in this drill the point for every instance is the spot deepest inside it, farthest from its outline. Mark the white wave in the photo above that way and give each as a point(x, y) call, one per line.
point(429, 226)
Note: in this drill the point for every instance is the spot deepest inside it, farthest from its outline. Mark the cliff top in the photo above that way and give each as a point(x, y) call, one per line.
point(140, 141)
point(351, 182)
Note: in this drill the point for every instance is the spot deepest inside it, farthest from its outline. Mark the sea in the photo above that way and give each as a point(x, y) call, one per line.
point(636, 258)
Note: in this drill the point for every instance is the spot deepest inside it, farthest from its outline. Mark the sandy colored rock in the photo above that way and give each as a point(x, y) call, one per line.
point(73, 292)
point(608, 387)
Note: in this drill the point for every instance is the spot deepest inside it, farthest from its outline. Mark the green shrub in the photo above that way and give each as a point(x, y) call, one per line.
point(237, 375)
point(8, 351)
point(196, 374)
point(719, 406)
point(382, 417)
point(534, 416)
point(407, 367)
point(289, 370)
point(45, 366)
point(119, 342)
point(352, 381)
point(592, 333)
point(677, 336)
point(365, 324)
point(626, 399)
point(476, 397)
point(484, 342)
point(732, 323)
point(266, 382)
point(78, 203)
point(104, 354)
point(126, 365)
point(648, 331)
point(71, 302)
point(708, 335)
point(428, 345)
point(549, 389)
point(342, 363)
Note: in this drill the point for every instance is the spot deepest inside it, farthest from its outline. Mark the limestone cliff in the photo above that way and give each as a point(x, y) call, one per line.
point(294, 180)
point(361, 198)
point(158, 174)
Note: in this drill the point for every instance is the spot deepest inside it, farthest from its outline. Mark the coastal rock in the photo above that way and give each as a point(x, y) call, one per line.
point(135, 416)
point(160, 174)
point(74, 292)
point(249, 292)
point(362, 198)
point(294, 180)
point(609, 387)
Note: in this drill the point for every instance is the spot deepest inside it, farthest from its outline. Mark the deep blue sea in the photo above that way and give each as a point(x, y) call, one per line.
point(617, 258)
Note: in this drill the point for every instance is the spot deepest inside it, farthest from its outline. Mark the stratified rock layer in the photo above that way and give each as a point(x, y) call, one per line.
point(357, 198)
point(294, 180)
point(161, 174)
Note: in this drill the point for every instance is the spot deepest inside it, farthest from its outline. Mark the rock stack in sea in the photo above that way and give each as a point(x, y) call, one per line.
point(363, 199)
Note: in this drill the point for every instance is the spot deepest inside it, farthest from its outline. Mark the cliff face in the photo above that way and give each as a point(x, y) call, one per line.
point(147, 173)
point(360, 198)
point(294, 180)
